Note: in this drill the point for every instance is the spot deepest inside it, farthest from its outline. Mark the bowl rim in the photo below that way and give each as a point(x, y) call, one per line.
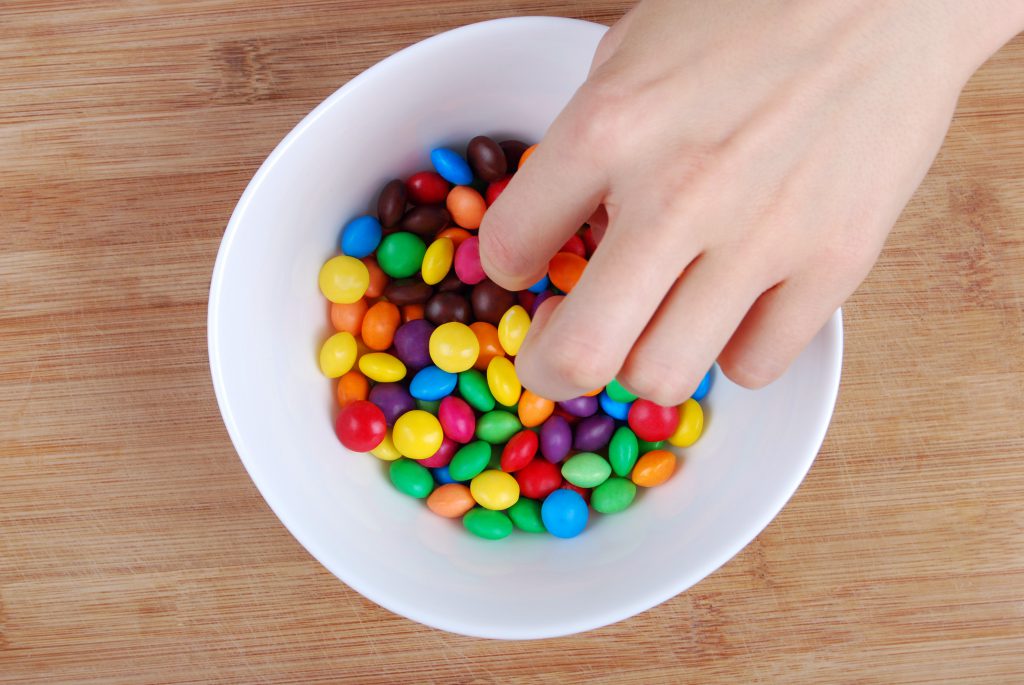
point(263, 482)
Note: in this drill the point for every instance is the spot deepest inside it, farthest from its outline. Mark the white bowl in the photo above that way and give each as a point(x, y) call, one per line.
point(267, 320)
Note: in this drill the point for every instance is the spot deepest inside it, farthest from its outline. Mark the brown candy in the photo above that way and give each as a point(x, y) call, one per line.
point(513, 150)
point(450, 283)
point(391, 203)
point(491, 301)
point(425, 220)
point(445, 307)
point(408, 291)
point(486, 158)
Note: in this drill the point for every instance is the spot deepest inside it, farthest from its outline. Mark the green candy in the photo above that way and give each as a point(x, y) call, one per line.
point(470, 461)
point(487, 524)
point(623, 451)
point(586, 470)
point(473, 388)
point(428, 405)
point(618, 393)
point(525, 514)
point(400, 254)
point(612, 496)
point(646, 446)
point(411, 478)
point(497, 426)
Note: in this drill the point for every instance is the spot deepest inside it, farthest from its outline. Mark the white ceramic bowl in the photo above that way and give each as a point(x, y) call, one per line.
point(267, 320)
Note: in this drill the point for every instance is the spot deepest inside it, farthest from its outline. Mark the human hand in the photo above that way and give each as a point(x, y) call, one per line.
point(744, 161)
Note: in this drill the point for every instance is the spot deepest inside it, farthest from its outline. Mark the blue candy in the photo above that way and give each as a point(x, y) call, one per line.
point(442, 476)
point(452, 167)
point(616, 410)
point(431, 383)
point(704, 387)
point(360, 237)
point(540, 286)
point(564, 513)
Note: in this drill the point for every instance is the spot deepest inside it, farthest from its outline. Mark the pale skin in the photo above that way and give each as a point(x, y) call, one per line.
point(743, 161)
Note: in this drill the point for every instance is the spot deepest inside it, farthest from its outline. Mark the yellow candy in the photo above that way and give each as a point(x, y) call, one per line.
point(494, 490)
point(503, 382)
point(454, 347)
point(386, 450)
point(382, 367)
point(512, 329)
point(344, 279)
point(417, 434)
point(691, 424)
point(338, 354)
point(437, 260)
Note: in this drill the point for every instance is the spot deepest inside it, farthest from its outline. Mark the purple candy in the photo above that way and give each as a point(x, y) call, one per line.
point(537, 301)
point(393, 399)
point(555, 439)
point(580, 406)
point(593, 433)
point(412, 343)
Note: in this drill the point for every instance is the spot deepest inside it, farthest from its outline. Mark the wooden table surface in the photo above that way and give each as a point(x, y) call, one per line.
point(134, 548)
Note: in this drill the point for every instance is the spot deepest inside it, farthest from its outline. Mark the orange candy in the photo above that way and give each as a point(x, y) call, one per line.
point(351, 387)
point(378, 279)
point(526, 155)
point(451, 500)
point(593, 393)
point(565, 269)
point(466, 206)
point(654, 468)
point(349, 317)
point(534, 409)
point(455, 234)
point(411, 312)
point(490, 347)
point(380, 324)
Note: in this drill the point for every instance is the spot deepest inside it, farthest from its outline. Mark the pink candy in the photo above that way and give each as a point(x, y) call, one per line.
point(467, 262)
point(457, 419)
point(442, 456)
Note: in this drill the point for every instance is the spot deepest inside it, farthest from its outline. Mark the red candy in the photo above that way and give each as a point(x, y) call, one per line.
point(427, 188)
point(519, 451)
point(538, 479)
point(574, 245)
point(495, 189)
point(361, 426)
point(589, 240)
point(526, 299)
point(652, 422)
point(584, 492)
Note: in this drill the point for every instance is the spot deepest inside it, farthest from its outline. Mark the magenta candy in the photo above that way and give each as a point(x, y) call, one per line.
point(581, 406)
point(467, 262)
point(652, 422)
point(593, 433)
point(442, 456)
point(412, 343)
point(457, 419)
point(555, 439)
point(393, 399)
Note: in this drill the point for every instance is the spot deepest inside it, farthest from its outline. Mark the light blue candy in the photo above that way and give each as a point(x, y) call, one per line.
point(540, 286)
point(564, 513)
point(360, 237)
point(616, 410)
point(452, 167)
point(704, 387)
point(431, 383)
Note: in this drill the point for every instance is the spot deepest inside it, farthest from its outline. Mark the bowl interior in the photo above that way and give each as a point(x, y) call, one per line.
point(267, 320)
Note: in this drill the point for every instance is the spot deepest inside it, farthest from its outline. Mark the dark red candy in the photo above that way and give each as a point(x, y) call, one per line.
point(491, 301)
point(427, 188)
point(495, 189)
point(526, 299)
point(513, 150)
point(584, 492)
point(538, 479)
point(652, 422)
point(407, 291)
point(575, 245)
point(445, 307)
point(589, 240)
point(391, 203)
point(486, 158)
point(519, 451)
point(361, 426)
point(425, 221)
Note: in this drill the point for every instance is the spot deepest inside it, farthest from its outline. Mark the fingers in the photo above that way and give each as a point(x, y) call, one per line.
point(692, 325)
point(546, 201)
point(588, 335)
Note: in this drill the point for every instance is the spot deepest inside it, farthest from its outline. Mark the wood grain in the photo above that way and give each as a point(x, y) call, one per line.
point(134, 548)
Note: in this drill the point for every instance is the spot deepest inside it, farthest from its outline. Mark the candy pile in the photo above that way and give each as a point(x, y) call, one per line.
point(424, 351)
